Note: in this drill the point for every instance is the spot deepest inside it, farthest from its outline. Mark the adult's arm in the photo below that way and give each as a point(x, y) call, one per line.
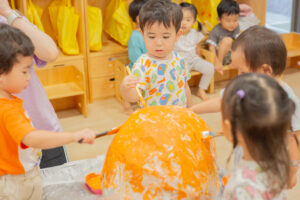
point(45, 47)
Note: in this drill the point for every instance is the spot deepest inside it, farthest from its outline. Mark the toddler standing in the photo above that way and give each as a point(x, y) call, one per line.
point(160, 73)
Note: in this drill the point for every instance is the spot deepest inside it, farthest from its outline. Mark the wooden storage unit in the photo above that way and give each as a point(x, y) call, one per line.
point(79, 99)
point(64, 87)
point(292, 43)
point(101, 64)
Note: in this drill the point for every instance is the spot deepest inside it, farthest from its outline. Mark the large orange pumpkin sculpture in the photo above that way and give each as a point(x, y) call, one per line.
point(159, 153)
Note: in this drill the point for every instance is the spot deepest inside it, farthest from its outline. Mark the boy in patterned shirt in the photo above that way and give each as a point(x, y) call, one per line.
point(160, 73)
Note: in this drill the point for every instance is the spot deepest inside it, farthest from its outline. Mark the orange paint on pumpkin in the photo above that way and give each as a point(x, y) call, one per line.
point(159, 153)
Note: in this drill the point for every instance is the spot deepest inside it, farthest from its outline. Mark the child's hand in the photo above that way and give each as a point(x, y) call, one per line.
point(85, 136)
point(130, 81)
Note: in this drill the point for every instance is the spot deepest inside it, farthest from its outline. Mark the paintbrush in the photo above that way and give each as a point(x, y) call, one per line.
point(142, 100)
point(206, 134)
point(110, 132)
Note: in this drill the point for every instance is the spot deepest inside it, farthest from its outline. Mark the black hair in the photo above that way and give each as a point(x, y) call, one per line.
point(262, 46)
point(161, 11)
point(258, 107)
point(135, 7)
point(193, 9)
point(229, 7)
point(13, 42)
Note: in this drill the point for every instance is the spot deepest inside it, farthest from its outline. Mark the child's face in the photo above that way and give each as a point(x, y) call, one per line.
point(188, 21)
point(239, 61)
point(160, 40)
point(18, 78)
point(229, 22)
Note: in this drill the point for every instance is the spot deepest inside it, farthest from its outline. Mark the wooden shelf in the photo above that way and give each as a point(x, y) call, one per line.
point(63, 90)
point(109, 47)
point(292, 43)
point(63, 57)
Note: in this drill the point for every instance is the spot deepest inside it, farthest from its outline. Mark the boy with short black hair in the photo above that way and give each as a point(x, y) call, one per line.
point(221, 37)
point(20, 142)
point(160, 73)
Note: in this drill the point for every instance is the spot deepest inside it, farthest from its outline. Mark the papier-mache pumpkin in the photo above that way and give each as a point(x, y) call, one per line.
point(159, 153)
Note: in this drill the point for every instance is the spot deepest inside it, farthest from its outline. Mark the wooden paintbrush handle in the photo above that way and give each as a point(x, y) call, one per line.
point(142, 100)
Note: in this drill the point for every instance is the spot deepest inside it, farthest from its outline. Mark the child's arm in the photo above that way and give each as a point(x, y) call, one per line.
point(218, 64)
point(45, 47)
point(128, 88)
point(189, 101)
point(209, 106)
point(46, 139)
point(223, 48)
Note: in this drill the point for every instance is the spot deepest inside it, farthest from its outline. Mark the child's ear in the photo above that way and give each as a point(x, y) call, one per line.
point(140, 30)
point(226, 127)
point(266, 69)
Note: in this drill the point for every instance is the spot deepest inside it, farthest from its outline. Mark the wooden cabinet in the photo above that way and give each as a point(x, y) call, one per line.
point(101, 73)
point(65, 79)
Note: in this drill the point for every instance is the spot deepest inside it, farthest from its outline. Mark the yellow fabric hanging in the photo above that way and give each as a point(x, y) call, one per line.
point(12, 4)
point(65, 22)
point(34, 14)
point(53, 13)
point(207, 12)
point(95, 28)
point(117, 21)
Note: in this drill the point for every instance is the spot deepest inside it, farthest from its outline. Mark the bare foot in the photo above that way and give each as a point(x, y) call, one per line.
point(219, 68)
point(202, 94)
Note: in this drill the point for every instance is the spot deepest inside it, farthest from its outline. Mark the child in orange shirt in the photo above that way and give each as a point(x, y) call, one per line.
point(20, 142)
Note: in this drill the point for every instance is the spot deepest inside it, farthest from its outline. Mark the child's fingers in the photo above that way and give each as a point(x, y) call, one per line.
point(87, 136)
point(131, 81)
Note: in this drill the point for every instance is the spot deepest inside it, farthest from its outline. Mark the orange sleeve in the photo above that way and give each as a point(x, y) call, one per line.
point(17, 124)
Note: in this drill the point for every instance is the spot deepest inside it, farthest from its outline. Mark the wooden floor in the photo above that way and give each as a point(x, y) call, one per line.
point(108, 113)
